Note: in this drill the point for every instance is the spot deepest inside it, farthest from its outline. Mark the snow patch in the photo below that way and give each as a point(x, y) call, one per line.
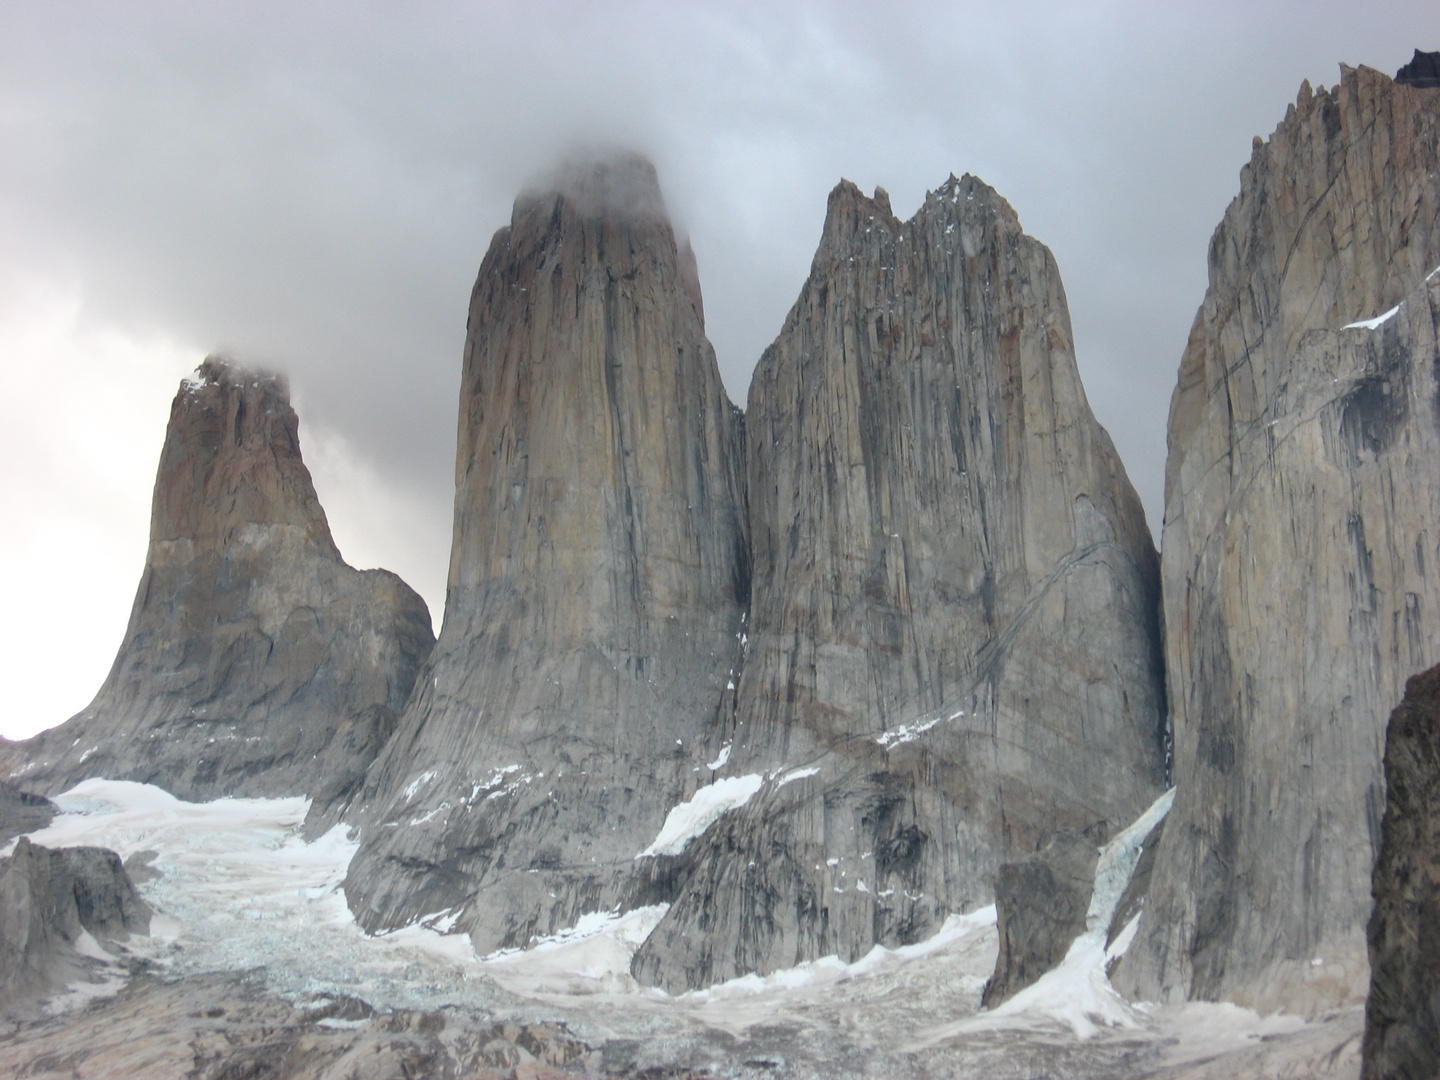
point(1371, 324)
point(797, 774)
point(416, 784)
point(830, 969)
point(699, 812)
point(722, 757)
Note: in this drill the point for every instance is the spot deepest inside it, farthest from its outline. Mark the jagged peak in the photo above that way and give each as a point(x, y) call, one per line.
point(1423, 71)
point(218, 369)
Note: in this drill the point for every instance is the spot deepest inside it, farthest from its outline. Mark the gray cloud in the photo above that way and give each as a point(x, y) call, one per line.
point(312, 186)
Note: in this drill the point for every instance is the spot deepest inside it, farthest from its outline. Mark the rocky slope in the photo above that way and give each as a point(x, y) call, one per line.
point(953, 648)
point(1300, 550)
point(59, 910)
point(256, 662)
point(597, 580)
point(1402, 1012)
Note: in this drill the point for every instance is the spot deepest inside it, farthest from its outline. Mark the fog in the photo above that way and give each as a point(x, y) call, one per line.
point(312, 187)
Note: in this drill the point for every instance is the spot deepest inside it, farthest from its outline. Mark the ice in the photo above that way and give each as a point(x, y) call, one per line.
point(699, 812)
point(720, 759)
point(1371, 324)
point(241, 890)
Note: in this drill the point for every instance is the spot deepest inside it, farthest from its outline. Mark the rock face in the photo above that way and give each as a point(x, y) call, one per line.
point(22, 812)
point(1402, 1012)
point(597, 582)
point(256, 661)
point(953, 648)
point(49, 898)
point(1040, 907)
point(1300, 551)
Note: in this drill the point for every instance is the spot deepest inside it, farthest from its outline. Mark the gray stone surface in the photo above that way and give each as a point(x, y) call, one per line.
point(1402, 1011)
point(48, 897)
point(597, 580)
point(954, 618)
point(22, 812)
point(256, 662)
point(1040, 906)
point(1300, 551)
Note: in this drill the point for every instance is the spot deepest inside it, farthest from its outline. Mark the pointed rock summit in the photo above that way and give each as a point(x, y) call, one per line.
point(1301, 561)
point(953, 649)
point(597, 581)
point(256, 662)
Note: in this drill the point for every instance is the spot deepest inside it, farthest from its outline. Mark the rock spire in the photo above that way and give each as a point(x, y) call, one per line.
point(256, 662)
point(953, 651)
point(1300, 550)
point(597, 581)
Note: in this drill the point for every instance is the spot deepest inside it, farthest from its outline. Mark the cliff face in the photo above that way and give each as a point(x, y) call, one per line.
point(256, 662)
point(953, 648)
point(1402, 1011)
point(597, 580)
point(1300, 550)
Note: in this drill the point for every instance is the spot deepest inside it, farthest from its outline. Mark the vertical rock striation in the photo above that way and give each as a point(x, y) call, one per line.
point(953, 649)
point(1300, 550)
point(256, 662)
point(1402, 1011)
point(597, 580)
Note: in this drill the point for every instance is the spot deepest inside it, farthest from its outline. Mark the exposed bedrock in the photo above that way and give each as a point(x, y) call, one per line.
point(22, 812)
point(597, 579)
point(1301, 551)
point(50, 899)
point(1040, 903)
point(256, 662)
point(1402, 1012)
point(953, 648)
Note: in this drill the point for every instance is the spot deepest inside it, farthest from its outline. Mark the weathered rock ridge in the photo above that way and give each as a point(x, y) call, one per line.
point(256, 662)
point(1300, 550)
point(1402, 1012)
point(597, 582)
point(49, 900)
point(953, 646)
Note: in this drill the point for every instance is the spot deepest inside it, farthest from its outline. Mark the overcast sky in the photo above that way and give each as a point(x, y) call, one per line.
point(311, 186)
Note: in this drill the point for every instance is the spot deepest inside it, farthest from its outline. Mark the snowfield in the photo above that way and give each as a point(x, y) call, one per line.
point(239, 889)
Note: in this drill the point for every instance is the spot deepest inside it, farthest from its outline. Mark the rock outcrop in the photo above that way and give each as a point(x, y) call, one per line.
point(1040, 908)
point(1301, 561)
point(256, 662)
point(1423, 70)
point(953, 648)
point(49, 900)
point(22, 812)
point(1402, 1012)
point(597, 586)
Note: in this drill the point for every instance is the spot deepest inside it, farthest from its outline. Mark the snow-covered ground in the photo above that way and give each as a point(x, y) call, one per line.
point(239, 889)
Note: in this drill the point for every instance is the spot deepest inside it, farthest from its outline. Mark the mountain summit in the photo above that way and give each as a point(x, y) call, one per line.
point(597, 586)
